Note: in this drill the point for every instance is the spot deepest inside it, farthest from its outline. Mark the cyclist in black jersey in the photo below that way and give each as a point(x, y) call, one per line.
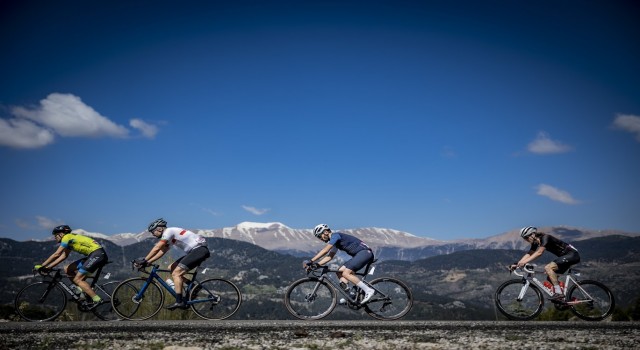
point(567, 256)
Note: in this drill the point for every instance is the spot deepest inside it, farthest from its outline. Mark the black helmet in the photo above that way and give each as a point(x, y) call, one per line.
point(157, 223)
point(61, 229)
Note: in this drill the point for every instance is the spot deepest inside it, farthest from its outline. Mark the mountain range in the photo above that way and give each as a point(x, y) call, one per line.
point(388, 244)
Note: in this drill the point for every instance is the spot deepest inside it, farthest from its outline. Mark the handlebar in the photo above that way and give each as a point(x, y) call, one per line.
point(527, 268)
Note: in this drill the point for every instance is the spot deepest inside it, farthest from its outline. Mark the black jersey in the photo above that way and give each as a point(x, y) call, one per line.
point(553, 245)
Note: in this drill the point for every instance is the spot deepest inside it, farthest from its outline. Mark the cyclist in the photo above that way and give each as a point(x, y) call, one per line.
point(194, 245)
point(360, 254)
point(566, 253)
point(95, 257)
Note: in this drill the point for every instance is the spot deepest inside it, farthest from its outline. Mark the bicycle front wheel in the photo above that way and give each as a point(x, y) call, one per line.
point(393, 299)
point(590, 300)
point(510, 304)
point(40, 301)
point(310, 299)
point(105, 311)
point(215, 299)
point(137, 299)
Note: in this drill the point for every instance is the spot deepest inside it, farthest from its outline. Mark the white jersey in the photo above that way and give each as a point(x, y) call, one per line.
point(183, 239)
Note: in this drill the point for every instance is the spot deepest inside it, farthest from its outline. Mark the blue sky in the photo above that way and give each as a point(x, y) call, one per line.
point(444, 119)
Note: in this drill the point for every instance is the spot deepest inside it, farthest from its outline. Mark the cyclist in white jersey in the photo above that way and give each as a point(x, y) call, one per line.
point(194, 245)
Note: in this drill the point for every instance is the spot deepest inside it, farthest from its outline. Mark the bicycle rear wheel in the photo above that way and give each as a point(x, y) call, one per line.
point(136, 299)
point(508, 301)
point(310, 299)
point(591, 300)
point(105, 311)
point(215, 299)
point(393, 299)
point(40, 301)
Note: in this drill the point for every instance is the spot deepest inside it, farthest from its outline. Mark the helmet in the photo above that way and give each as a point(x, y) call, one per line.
point(61, 229)
point(317, 231)
point(528, 231)
point(158, 223)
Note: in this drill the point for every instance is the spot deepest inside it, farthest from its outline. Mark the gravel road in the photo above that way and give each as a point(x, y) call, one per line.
point(183, 335)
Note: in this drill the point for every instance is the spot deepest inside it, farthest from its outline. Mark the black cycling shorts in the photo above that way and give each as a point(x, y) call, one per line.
point(93, 261)
point(194, 258)
point(564, 262)
point(360, 260)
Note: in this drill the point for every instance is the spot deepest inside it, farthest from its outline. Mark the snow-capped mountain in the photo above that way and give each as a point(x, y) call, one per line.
point(385, 242)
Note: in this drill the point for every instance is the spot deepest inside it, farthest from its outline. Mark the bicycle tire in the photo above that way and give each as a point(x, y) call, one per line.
point(30, 305)
point(124, 303)
point(601, 303)
point(396, 302)
point(105, 311)
point(506, 300)
point(310, 299)
point(215, 299)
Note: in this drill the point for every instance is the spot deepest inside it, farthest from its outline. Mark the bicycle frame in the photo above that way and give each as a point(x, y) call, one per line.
point(153, 275)
point(323, 276)
point(528, 276)
point(58, 279)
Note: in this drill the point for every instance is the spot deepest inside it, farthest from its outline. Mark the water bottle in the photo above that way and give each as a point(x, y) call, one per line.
point(561, 286)
point(170, 283)
point(548, 285)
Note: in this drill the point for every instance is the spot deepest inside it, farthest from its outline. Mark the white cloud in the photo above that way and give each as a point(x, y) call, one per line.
point(556, 194)
point(630, 123)
point(21, 133)
point(47, 223)
point(148, 130)
point(62, 115)
point(543, 144)
point(67, 115)
point(254, 210)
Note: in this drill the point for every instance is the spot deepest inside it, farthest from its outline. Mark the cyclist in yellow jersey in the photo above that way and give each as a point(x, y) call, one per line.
point(95, 257)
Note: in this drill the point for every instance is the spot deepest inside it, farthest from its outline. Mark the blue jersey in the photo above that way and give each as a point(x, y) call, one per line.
point(347, 243)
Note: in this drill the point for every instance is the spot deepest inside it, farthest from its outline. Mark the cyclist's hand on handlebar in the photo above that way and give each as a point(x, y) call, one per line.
point(140, 263)
point(512, 267)
point(41, 269)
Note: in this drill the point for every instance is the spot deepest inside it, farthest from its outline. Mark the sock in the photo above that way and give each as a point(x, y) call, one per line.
point(556, 289)
point(96, 298)
point(364, 287)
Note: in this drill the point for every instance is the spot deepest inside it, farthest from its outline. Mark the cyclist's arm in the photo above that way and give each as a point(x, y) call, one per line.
point(327, 258)
point(529, 257)
point(57, 257)
point(157, 251)
point(323, 254)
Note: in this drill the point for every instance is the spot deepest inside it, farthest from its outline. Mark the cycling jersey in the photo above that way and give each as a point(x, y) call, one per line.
point(183, 239)
point(347, 243)
point(553, 245)
point(78, 243)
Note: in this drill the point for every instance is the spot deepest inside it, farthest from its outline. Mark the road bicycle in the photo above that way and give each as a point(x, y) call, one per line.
point(141, 298)
point(314, 297)
point(522, 298)
point(47, 299)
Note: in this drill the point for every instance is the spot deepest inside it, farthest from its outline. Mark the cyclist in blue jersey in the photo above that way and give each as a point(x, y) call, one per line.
point(360, 254)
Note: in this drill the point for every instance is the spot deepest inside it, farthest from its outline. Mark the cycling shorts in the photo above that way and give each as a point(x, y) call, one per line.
point(360, 260)
point(565, 261)
point(194, 258)
point(92, 262)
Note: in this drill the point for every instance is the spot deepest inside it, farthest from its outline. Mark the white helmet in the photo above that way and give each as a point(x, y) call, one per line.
point(318, 230)
point(528, 231)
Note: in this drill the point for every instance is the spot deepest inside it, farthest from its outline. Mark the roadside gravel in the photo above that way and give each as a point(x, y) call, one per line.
point(260, 335)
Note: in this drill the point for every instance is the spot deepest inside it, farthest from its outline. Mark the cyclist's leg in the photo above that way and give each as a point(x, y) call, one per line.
point(360, 260)
point(183, 265)
point(560, 265)
point(86, 266)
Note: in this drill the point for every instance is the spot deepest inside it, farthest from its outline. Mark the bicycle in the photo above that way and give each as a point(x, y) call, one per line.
point(141, 298)
point(522, 299)
point(46, 300)
point(314, 297)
